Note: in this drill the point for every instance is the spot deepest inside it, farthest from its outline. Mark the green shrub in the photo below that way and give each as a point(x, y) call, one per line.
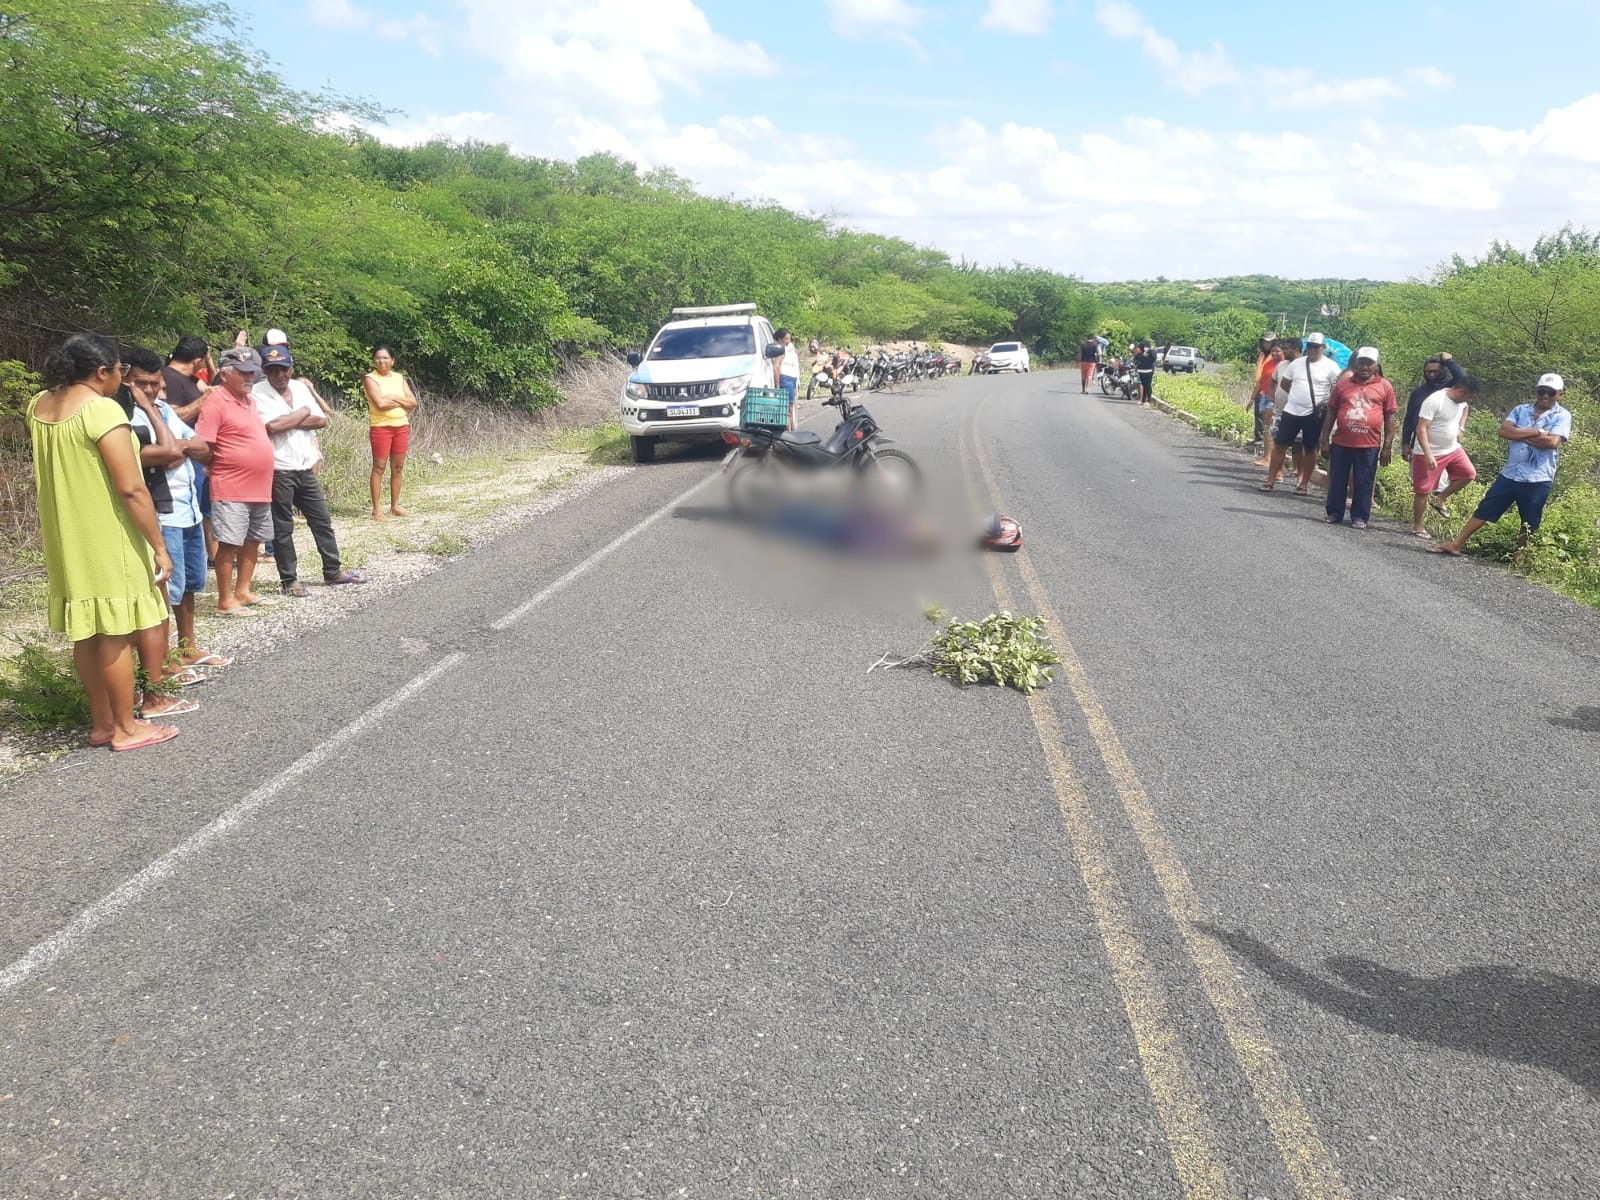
point(39, 689)
point(1204, 397)
point(18, 385)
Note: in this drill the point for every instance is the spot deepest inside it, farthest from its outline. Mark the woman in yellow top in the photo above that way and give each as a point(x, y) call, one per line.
point(103, 548)
point(390, 402)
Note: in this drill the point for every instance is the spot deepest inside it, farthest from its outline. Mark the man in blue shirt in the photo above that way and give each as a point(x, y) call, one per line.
point(1535, 432)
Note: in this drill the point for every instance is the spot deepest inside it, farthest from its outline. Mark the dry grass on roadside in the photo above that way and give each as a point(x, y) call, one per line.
point(444, 431)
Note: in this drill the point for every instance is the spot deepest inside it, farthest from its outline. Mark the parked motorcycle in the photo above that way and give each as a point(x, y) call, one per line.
point(762, 465)
point(1118, 376)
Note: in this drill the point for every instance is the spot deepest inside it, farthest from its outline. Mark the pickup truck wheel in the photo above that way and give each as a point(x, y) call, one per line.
point(644, 449)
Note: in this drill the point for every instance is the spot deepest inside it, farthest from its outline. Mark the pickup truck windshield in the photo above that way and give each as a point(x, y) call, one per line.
point(703, 341)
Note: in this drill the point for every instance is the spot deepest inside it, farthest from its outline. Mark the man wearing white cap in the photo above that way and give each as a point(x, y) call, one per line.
point(1358, 436)
point(1536, 432)
point(1303, 387)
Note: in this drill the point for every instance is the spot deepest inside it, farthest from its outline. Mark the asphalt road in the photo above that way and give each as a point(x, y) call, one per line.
point(607, 876)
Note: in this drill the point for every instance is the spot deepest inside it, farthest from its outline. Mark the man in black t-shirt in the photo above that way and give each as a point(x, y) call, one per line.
point(184, 389)
point(1144, 362)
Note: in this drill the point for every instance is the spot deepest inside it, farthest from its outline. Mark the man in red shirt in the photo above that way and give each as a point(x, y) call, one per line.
point(1358, 436)
point(238, 455)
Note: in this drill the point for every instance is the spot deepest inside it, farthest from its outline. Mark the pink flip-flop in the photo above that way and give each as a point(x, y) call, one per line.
point(158, 734)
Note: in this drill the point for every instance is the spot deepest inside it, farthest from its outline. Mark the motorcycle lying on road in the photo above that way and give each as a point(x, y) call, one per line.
point(766, 464)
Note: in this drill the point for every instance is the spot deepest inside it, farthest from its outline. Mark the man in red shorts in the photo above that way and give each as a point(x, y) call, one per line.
point(1438, 449)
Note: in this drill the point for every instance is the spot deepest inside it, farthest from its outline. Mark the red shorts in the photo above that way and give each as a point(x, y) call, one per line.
point(1425, 482)
point(389, 439)
point(1086, 371)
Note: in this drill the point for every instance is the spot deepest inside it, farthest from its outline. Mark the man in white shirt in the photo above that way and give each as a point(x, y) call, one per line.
point(1438, 449)
point(290, 411)
point(1302, 385)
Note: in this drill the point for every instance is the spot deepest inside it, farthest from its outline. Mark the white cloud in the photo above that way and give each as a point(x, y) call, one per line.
point(1190, 70)
point(342, 14)
point(621, 55)
point(1431, 77)
point(1017, 16)
point(851, 16)
point(1297, 89)
point(1346, 193)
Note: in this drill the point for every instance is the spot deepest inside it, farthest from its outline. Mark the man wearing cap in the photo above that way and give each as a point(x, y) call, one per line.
point(238, 456)
point(1358, 437)
point(1438, 450)
point(1304, 384)
point(288, 408)
point(1536, 432)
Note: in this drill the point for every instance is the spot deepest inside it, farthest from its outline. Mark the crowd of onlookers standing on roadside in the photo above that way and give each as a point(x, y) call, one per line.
point(153, 473)
point(1306, 407)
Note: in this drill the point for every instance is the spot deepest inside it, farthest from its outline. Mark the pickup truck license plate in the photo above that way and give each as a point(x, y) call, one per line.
point(683, 410)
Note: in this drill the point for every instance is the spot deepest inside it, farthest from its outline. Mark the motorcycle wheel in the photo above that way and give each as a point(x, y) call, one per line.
point(811, 388)
point(753, 488)
point(891, 477)
point(1105, 383)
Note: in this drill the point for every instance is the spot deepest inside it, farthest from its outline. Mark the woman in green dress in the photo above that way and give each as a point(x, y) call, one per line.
point(103, 548)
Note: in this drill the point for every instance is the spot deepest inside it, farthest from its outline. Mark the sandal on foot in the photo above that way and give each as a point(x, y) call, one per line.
point(1445, 548)
point(187, 677)
point(1267, 487)
point(179, 709)
point(237, 612)
point(212, 660)
point(296, 589)
point(1442, 509)
point(1422, 533)
point(344, 578)
point(157, 735)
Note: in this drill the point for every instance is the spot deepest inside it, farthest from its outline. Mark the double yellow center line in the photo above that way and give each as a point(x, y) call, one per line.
point(1168, 1070)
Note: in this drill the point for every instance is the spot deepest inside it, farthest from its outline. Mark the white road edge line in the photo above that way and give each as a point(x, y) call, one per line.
point(527, 606)
point(107, 907)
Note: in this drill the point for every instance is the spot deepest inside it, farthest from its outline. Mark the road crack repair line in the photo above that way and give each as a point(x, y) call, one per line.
point(1305, 1156)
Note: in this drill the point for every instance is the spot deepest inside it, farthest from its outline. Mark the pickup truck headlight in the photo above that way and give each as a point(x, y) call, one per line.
point(636, 391)
point(729, 386)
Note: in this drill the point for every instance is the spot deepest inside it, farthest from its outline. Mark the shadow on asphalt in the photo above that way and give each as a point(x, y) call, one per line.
point(1537, 1018)
point(1587, 720)
point(1280, 515)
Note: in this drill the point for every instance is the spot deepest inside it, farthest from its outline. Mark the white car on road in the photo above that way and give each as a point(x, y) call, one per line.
point(1007, 356)
point(689, 384)
point(1182, 358)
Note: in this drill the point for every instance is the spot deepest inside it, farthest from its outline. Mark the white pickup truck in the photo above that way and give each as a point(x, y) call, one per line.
point(689, 384)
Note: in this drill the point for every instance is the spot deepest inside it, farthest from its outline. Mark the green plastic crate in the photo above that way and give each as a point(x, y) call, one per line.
point(766, 408)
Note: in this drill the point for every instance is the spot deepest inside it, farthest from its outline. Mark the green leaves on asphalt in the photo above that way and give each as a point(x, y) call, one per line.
point(1001, 649)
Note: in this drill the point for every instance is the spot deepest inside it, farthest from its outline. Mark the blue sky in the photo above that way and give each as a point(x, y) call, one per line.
point(1110, 138)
